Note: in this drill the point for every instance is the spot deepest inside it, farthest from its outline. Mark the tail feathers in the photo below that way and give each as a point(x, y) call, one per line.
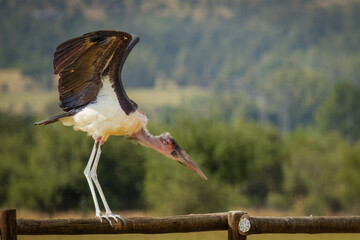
point(55, 118)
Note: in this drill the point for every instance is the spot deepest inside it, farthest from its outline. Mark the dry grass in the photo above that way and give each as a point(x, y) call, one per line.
point(12, 81)
point(148, 99)
point(220, 235)
point(29, 102)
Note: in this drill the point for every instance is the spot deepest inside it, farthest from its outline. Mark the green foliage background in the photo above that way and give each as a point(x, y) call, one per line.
point(308, 171)
point(279, 128)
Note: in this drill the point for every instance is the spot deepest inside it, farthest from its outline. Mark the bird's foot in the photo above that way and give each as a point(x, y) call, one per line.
point(115, 217)
point(108, 216)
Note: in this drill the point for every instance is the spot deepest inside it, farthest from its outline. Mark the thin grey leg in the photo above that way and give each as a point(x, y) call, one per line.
point(91, 185)
point(93, 175)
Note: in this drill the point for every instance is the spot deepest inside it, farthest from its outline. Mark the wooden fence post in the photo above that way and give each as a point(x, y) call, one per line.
point(233, 225)
point(8, 224)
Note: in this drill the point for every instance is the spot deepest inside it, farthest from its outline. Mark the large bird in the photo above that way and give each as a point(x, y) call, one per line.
point(94, 100)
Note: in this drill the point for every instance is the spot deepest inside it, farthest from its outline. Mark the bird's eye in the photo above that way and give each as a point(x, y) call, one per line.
point(164, 141)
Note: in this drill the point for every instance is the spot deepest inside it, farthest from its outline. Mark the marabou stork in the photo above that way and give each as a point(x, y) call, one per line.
point(94, 100)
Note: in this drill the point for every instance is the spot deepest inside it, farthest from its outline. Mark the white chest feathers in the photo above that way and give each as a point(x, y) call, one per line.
point(105, 117)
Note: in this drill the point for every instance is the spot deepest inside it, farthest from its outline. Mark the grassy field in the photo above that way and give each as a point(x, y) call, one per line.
point(31, 102)
point(39, 102)
point(215, 235)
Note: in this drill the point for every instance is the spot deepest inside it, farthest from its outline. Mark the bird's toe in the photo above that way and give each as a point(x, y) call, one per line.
point(115, 217)
point(108, 216)
point(102, 216)
point(99, 215)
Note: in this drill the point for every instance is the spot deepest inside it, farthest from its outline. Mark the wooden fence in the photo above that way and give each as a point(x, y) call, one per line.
point(237, 223)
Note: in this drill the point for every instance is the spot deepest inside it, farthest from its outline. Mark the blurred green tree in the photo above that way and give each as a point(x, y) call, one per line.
point(340, 111)
point(311, 181)
point(349, 181)
point(293, 95)
point(242, 161)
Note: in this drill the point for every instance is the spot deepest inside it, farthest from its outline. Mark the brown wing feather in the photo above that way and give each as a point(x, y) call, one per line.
point(82, 61)
point(67, 52)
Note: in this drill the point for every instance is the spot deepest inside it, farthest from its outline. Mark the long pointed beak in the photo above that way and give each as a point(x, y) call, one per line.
point(168, 148)
point(182, 157)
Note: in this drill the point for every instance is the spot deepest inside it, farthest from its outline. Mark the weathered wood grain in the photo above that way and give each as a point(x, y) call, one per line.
point(10, 227)
point(310, 225)
point(233, 223)
point(8, 224)
point(146, 225)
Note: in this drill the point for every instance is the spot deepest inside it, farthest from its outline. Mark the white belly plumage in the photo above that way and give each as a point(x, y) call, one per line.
point(105, 117)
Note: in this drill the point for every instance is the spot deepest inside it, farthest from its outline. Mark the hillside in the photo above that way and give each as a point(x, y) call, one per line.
point(209, 43)
point(276, 61)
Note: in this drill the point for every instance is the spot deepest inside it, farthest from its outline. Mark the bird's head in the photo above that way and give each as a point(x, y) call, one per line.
point(166, 145)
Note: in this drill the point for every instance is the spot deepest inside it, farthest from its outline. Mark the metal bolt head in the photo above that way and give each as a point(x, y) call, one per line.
point(244, 225)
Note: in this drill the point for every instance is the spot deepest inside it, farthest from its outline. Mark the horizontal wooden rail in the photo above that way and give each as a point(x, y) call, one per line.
point(238, 224)
point(151, 225)
point(311, 225)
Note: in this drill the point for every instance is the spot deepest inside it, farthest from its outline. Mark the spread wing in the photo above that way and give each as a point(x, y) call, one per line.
point(80, 63)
